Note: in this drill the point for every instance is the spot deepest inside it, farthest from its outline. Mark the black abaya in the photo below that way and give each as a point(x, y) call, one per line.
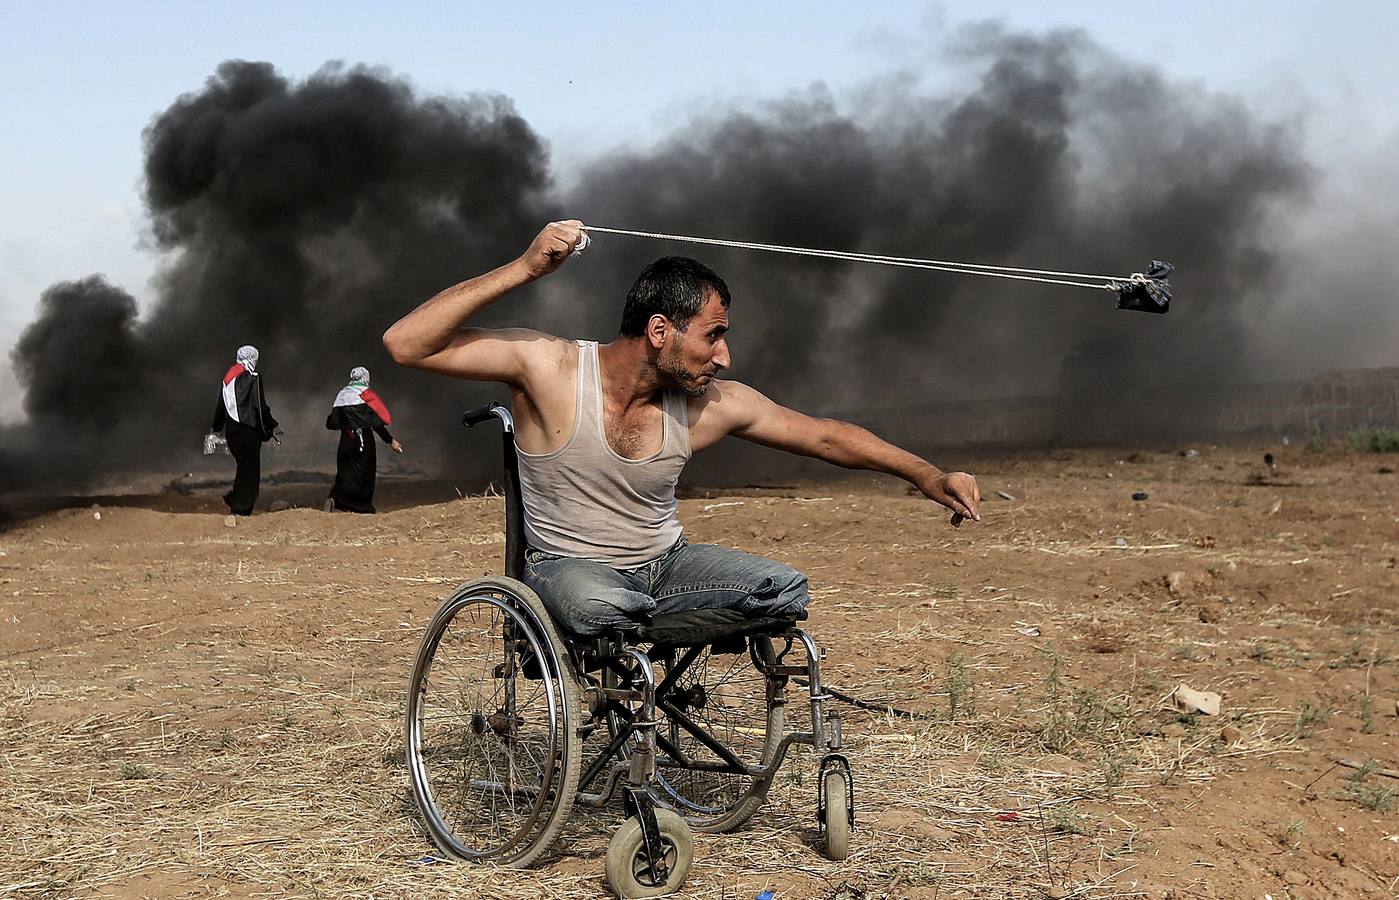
point(245, 443)
point(355, 461)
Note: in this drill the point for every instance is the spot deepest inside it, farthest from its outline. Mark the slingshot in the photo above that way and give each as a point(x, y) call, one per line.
point(1148, 291)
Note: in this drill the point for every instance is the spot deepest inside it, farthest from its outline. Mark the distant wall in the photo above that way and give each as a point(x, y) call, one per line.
point(1089, 412)
point(1020, 420)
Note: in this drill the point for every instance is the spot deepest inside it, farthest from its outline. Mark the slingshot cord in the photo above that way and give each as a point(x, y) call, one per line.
point(1097, 282)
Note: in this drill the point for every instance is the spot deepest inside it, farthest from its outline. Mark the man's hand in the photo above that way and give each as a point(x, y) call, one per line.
point(396, 446)
point(958, 492)
point(552, 246)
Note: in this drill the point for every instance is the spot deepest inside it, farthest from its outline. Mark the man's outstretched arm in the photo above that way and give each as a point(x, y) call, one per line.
point(431, 336)
point(734, 408)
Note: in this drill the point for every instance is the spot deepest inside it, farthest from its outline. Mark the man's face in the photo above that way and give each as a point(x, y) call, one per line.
point(690, 359)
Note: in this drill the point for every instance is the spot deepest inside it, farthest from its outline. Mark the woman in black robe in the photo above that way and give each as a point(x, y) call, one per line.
point(243, 416)
point(357, 411)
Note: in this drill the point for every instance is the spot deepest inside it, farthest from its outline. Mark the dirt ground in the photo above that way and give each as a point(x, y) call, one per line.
point(193, 709)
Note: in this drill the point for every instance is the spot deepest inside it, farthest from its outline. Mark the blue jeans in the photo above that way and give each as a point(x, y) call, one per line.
point(588, 598)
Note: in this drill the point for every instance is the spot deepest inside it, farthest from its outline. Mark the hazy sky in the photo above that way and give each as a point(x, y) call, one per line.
point(81, 81)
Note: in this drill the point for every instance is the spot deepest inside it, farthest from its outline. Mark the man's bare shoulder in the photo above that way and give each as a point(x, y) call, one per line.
point(541, 346)
point(538, 352)
point(737, 394)
point(724, 407)
point(719, 398)
point(528, 339)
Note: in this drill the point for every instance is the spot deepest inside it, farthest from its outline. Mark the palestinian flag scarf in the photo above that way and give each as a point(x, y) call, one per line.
point(356, 407)
point(242, 396)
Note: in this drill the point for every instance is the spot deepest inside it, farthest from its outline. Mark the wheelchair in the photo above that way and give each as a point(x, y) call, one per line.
point(689, 710)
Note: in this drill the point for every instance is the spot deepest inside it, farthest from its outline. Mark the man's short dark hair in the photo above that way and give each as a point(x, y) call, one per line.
point(673, 286)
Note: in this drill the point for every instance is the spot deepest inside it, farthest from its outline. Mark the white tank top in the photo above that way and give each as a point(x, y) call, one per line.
point(586, 501)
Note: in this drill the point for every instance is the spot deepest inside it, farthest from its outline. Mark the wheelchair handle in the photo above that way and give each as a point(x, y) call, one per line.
point(482, 413)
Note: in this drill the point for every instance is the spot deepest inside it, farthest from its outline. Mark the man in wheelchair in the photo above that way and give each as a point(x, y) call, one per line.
point(679, 653)
point(603, 432)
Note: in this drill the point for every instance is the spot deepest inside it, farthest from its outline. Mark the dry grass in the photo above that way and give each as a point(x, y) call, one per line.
point(191, 710)
point(305, 793)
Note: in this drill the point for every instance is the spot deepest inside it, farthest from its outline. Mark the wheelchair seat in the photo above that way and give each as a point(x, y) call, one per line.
point(694, 627)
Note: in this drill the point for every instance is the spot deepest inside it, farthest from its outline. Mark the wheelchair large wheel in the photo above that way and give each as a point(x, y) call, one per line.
point(725, 697)
point(492, 715)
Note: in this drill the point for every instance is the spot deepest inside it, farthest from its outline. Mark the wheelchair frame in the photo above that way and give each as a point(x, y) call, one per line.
point(608, 682)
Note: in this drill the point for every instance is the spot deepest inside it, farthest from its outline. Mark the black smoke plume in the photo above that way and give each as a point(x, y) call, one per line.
point(306, 216)
point(89, 322)
point(302, 217)
point(1061, 156)
point(76, 360)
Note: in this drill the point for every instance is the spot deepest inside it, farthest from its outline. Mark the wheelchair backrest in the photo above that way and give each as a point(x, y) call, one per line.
point(514, 505)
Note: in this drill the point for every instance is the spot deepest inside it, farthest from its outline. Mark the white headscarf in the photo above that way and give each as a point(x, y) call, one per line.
point(361, 374)
point(247, 357)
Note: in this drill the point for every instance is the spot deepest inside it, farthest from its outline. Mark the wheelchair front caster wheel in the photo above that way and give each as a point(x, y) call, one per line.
point(629, 870)
point(836, 797)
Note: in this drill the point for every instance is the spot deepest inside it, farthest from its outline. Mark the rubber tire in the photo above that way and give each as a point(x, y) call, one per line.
point(572, 749)
point(627, 842)
point(837, 824)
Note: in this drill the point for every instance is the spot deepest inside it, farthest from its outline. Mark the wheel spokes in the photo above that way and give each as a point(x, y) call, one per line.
point(725, 697)
point(485, 737)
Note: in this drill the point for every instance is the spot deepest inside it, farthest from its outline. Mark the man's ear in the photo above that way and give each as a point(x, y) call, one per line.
point(658, 328)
